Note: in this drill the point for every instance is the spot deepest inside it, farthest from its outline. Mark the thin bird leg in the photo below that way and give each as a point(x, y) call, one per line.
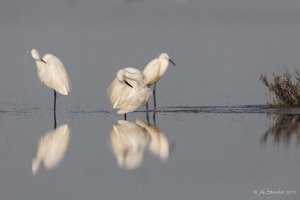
point(54, 105)
point(154, 118)
point(54, 122)
point(147, 114)
point(147, 107)
point(125, 116)
point(154, 97)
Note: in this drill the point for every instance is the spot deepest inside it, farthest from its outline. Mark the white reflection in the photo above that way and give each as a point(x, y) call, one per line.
point(52, 148)
point(129, 141)
point(159, 144)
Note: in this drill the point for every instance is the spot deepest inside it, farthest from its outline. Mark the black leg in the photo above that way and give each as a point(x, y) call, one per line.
point(154, 97)
point(125, 116)
point(147, 114)
point(147, 107)
point(154, 118)
point(54, 105)
point(54, 120)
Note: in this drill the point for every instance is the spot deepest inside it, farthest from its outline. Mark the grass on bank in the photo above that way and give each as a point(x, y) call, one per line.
point(284, 90)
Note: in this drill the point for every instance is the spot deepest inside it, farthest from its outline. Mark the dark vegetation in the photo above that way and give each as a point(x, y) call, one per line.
point(283, 130)
point(284, 90)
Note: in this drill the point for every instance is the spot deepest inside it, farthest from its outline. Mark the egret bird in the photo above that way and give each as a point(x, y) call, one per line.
point(52, 73)
point(128, 142)
point(128, 91)
point(155, 70)
point(52, 148)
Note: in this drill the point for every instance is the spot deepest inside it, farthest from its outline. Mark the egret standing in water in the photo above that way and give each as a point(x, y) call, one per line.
point(52, 73)
point(128, 91)
point(155, 70)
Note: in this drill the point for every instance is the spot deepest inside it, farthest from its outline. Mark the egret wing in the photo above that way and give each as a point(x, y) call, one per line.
point(57, 77)
point(151, 71)
point(138, 98)
point(117, 93)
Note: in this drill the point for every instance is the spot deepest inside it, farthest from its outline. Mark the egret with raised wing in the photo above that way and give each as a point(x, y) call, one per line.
point(128, 91)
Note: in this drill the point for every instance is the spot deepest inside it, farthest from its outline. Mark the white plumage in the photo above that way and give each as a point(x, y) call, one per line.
point(52, 72)
point(128, 91)
point(52, 148)
point(156, 68)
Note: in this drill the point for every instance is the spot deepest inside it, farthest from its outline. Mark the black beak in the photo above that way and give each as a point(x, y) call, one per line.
point(128, 84)
point(43, 61)
point(171, 61)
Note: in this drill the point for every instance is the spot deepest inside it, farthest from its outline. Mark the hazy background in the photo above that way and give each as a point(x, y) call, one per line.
point(220, 47)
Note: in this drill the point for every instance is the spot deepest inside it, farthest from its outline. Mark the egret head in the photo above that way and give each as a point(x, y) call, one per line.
point(35, 54)
point(165, 56)
point(121, 77)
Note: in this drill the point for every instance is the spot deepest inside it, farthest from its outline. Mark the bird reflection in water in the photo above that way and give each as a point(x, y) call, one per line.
point(159, 144)
point(52, 147)
point(283, 130)
point(130, 140)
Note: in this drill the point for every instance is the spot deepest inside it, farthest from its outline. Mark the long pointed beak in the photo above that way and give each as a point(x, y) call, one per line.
point(171, 61)
point(128, 84)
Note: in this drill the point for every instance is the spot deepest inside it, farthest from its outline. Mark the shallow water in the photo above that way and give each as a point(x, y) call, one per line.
point(218, 140)
point(213, 156)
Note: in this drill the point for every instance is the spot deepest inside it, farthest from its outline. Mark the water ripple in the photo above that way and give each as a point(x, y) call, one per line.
point(176, 109)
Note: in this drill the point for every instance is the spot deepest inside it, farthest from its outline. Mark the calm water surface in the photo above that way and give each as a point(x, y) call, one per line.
point(213, 156)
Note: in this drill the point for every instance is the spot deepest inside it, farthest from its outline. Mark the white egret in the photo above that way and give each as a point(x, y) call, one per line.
point(52, 73)
point(128, 142)
point(154, 70)
point(52, 148)
point(128, 91)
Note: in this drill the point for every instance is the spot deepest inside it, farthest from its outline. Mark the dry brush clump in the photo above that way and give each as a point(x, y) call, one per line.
point(284, 90)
